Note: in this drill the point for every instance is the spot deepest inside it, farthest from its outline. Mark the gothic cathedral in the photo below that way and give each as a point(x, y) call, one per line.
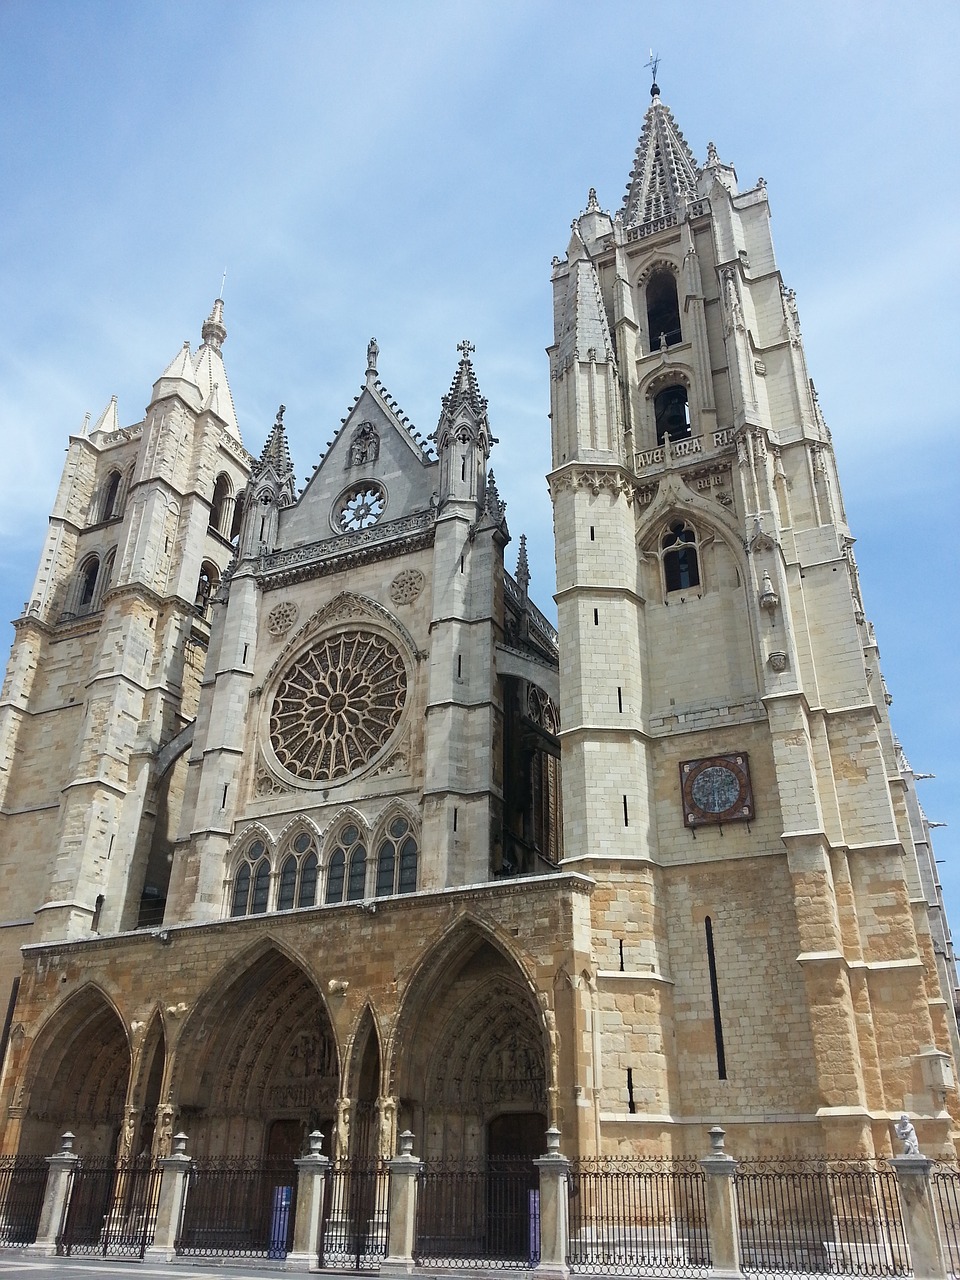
point(311, 819)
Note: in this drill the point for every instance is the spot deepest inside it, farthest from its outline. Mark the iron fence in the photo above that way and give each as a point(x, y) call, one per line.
point(23, 1180)
point(946, 1191)
point(239, 1208)
point(836, 1217)
point(478, 1215)
point(112, 1209)
point(353, 1227)
point(632, 1216)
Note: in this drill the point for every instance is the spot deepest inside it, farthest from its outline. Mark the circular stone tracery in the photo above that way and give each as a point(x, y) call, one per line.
point(338, 705)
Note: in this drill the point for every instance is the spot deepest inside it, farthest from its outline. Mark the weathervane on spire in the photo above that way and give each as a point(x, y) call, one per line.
point(653, 64)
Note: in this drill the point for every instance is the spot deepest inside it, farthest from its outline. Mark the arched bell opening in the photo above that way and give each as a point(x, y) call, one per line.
point(257, 1066)
point(77, 1079)
point(471, 1054)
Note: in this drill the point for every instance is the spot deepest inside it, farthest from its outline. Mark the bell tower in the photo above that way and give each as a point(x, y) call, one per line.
point(730, 778)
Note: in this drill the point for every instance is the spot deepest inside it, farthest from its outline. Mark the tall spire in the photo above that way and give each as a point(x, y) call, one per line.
point(275, 455)
point(210, 373)
point(664, 174)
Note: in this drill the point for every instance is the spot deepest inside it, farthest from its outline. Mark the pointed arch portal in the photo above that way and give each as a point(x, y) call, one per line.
point(257, 1065)
point(77, 1079)
point(472, 1081)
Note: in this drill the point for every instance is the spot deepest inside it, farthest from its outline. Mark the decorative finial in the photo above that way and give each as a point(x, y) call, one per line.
point(712, 154)
point(653, 64)
point(593, 205)
point(466, 349)
point(280, 412)
point(373, 350)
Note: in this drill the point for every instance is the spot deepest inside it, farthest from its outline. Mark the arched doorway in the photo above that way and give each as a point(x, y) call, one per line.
point(257, 1066)
point(77, 1078)
point(470, 1062)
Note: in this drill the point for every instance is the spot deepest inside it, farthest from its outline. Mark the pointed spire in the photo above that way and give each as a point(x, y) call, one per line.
point(523, 566)
point(464, 388)
point(181, 366)
point(210, 373)
point(109, 420)
point(664, 174)
point(275, 455)
point(493, 503)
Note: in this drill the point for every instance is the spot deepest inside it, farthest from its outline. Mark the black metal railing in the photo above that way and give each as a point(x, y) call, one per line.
point(239, 1207)
point(946, 1192)
point(836, 1217)
point(633, 1216)
point(353, 1226)
point(478, 1215)
point(23, 1180)
point(112, 1209)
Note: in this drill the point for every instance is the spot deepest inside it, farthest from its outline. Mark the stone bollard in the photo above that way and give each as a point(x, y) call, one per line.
point(174, 1181)
point(311, 1180)
point(722, 1223)
point(56, 1197)
point(402, 1216)
point(554, 1222)
point(920, 1217)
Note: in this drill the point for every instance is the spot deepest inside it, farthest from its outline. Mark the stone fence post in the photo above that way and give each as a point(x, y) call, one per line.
point(311, 1180)
point(174, 1181)
point(402, 1213)
point(722, 1223)
point(56, 1197)
point(920, 1217)
point(554, 1227)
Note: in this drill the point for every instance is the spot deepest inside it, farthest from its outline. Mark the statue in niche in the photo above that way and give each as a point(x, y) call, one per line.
point(364, 445)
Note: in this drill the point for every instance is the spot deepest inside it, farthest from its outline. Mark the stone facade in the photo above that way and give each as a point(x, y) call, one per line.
point(285, 837)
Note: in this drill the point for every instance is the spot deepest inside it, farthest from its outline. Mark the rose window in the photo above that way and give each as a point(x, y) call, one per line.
point(359, 507)
point(338, 705)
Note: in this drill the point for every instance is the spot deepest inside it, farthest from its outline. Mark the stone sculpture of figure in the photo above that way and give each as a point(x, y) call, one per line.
point(365, 445)
point(908, 1136)
point(373, 351)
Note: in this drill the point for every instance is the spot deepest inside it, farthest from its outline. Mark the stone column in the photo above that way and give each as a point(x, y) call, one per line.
point(311, 1181)
point(174, 1180)
point(722, 1224)
point(553, 1210)
point(402, 1220)
point(56, 1197)
point(920, 1217)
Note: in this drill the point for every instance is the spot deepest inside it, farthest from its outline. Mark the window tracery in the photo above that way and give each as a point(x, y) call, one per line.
point(678, 550)
point(348, 866)
point(337, 705)
point(397, 859)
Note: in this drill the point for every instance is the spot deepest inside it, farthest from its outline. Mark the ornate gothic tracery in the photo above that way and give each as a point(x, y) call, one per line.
point(337, 705)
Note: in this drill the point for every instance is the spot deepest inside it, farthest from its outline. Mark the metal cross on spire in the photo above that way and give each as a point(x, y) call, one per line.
point(653, 63)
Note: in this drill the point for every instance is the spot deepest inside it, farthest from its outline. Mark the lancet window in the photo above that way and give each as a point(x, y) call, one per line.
point(251, 882)
point(347, 869)
point(298, 874)
point(397, 858)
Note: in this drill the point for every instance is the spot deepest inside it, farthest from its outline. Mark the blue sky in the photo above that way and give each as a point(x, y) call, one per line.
point(408, 170)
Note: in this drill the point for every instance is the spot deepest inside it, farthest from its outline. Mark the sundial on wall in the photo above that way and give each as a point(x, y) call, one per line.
point(716, 789)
